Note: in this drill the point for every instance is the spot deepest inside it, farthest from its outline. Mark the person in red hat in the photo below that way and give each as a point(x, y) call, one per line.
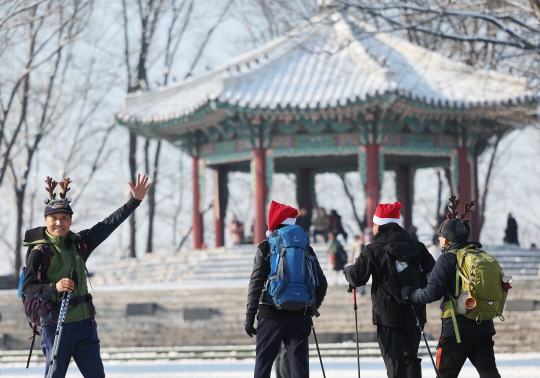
point(397, 332)
point(276, 325)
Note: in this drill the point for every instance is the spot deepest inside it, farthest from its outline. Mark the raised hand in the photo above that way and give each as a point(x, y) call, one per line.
point(141, 188)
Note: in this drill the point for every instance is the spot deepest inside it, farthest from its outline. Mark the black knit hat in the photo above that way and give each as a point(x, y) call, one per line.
point(455, 230)
point(58, 206)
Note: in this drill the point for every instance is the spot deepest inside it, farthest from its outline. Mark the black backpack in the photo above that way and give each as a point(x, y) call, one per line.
point(404, 268)
point(31, 305)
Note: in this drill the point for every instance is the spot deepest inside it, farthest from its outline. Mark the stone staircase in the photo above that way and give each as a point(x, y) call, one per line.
point(233, 265)
point(199, 298)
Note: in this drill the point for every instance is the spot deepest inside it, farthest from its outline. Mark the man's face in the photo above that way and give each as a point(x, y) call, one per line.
point(58, 224)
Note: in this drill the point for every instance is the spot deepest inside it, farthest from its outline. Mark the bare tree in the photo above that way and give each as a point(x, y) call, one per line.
point(35, 100)
point(360, 222)
point(148, 13)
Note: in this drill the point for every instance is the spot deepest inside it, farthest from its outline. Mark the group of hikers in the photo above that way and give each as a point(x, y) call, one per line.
point(405, 277)
point(286, 289)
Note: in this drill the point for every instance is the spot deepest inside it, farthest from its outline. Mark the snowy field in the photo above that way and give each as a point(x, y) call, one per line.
point(524, 365)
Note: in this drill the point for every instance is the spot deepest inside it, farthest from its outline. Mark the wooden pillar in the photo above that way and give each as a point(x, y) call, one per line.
point(373, 182)
point(261, 189)
point(305, 183)
point(220, 204)
point(404, 193)
point(475, 218)
point(465, 191)
point(197, 214)
point(464, 186)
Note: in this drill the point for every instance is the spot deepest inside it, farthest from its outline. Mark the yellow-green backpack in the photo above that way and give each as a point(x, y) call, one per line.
point(479, 294)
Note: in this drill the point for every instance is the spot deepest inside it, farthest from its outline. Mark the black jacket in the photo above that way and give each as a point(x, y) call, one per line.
point(442, 281)
point(259, 276)
point(373, 262)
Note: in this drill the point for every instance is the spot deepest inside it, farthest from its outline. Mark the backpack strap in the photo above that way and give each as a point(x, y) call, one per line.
point(453, 296)
point(46, 256)
point(82, 247)
point(454, 321)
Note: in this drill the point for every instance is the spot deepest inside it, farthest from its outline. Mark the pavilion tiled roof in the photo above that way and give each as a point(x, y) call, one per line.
point(335, 60)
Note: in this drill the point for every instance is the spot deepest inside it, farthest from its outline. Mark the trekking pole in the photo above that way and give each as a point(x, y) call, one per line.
point(425, 340)
point(60, 326)
point(356, 325)
point(318, 350)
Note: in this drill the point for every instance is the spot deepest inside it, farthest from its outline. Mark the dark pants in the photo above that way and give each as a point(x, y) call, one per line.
point(478, 349)
point(399, 349)
point(293, 330)
point(80, 341)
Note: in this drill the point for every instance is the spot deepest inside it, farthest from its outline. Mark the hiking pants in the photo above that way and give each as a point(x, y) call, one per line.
point(399, 349)
point(478, 349)
point(80, 341)
point(291, 328)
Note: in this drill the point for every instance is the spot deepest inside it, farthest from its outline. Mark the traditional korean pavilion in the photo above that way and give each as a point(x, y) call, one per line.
point(335, 96)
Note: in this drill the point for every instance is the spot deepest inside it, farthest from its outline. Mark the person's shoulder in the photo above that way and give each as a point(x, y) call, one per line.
point(448, 257)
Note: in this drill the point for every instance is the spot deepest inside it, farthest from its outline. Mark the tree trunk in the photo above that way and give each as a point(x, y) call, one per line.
point(133, 173)
point(482, 204)
point(152, 200)
point(19, 198)
point(361, 223)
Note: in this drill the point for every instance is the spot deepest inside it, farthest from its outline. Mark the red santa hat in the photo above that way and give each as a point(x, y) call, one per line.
point(387, 213)
point(280, 214)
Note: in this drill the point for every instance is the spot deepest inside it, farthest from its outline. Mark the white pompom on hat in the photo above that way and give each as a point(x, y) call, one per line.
point(280, 214)
point(387, 213)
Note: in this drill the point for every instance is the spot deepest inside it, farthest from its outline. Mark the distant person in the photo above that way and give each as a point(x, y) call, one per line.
point(511, 232)
point(358, 245)
point(321, 224)
point(533, 247)
point(304, 220)
point(335, 224)
point(69, 253)
point(337, 257)
point(236, 229)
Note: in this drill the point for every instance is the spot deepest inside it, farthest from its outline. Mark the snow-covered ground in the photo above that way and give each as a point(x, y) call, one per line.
point(525, 365)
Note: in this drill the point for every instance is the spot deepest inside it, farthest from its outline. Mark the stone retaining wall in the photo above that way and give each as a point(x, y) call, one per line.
point(215, 317)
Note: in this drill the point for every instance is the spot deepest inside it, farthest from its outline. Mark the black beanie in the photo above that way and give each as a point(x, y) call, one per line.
point(455, 230)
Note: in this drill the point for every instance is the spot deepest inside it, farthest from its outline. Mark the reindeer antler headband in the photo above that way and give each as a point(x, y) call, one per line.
point(454, 203)
point(51, 185)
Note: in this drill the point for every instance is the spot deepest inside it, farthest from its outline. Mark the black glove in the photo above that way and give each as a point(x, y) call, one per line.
point(248, 325)
point(406, 294)
point(351, 288)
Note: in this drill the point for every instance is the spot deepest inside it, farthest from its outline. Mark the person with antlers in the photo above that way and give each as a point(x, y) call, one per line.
point(66, 272)
point(472, 339)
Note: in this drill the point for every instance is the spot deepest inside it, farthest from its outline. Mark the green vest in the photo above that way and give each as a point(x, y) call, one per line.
point(62, 262)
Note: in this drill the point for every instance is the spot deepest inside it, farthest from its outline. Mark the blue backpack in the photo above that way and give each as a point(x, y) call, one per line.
point(293, 274)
